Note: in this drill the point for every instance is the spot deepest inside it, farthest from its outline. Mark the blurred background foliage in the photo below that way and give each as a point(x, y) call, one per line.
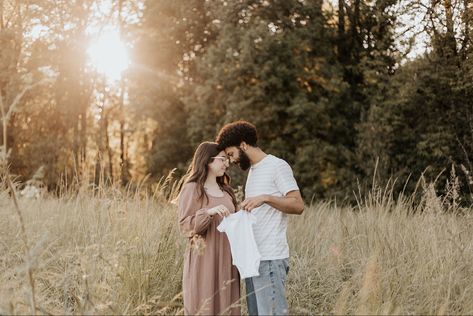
point(343, 90)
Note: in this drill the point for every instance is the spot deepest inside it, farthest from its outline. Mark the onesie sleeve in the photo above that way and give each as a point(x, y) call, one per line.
point(193, 218)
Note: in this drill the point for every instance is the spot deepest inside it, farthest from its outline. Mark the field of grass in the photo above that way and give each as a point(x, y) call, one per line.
point(121, 253)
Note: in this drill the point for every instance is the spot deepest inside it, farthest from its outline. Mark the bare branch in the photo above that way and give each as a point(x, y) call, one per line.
point(18, 97)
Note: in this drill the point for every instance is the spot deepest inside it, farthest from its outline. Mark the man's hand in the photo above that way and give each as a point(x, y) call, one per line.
point(292, 203)
point(254, 202)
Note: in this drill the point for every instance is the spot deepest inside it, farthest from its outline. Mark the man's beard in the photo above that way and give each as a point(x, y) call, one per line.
point(244, 161)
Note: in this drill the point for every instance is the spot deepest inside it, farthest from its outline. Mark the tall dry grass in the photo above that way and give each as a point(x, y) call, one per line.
point(383, 257)
point(115, 252)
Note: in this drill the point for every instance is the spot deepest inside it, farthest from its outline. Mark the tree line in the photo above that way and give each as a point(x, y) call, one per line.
point(343, 90)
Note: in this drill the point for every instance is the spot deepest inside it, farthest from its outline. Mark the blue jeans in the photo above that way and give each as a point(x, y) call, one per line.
point(266, 293)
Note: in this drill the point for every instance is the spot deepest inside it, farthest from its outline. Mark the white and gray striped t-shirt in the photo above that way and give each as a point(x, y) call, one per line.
point(271, 176)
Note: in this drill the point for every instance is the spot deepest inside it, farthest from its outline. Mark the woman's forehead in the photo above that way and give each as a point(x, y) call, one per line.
point(231, 150)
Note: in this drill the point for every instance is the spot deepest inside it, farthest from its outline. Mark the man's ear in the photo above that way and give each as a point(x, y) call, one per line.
point(243, 146)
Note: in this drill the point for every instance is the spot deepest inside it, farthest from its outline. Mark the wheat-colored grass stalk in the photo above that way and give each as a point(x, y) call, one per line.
point(341, 303)
point(370, 293)
point(24, 237)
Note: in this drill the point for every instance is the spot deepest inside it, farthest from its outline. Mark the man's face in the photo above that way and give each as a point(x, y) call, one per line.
point(238, 156)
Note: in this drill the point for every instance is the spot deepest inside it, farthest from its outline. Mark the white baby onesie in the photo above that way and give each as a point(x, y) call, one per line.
point(239, 229)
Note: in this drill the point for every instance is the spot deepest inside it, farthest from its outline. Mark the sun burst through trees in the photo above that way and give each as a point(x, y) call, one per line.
point(109, 55)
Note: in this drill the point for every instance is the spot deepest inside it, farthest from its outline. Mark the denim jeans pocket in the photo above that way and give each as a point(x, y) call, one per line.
point(265, 268)
point(283, 267)
point(285, 263)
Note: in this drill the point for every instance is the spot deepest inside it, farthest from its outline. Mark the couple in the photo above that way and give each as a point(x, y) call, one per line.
point(211, 284)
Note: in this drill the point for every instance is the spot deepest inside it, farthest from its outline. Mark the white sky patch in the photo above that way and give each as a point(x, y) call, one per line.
point(411, 37)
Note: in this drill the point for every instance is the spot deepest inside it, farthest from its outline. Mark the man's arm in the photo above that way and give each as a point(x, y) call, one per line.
point(292, 203)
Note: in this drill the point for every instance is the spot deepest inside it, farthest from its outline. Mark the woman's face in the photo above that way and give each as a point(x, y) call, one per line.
point(219, 164)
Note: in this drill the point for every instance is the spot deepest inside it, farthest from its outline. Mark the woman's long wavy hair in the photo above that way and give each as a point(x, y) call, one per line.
point(198, 171)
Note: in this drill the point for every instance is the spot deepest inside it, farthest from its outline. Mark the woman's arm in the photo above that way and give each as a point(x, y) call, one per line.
point(193, 219)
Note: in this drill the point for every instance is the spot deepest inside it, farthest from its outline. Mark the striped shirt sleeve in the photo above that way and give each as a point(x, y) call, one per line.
point(284, 179)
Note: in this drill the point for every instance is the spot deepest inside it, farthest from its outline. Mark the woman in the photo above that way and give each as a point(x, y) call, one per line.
point(210, 282)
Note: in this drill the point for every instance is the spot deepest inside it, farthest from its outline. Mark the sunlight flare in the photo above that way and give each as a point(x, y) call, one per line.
point(109, 55)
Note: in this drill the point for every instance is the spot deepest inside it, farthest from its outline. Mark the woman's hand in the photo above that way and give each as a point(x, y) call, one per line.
point(221, 210)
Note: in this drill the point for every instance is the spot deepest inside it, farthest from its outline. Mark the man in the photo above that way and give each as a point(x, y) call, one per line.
point(271, 193)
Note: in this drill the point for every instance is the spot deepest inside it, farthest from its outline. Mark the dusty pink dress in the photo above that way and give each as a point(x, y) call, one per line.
point(211, 284)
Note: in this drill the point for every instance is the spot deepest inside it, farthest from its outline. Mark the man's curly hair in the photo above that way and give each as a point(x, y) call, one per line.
point(233, 134)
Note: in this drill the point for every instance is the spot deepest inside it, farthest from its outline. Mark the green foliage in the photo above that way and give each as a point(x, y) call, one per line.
point(328, 88)
point(277, 65)
point(424, 127)
point(175, 33)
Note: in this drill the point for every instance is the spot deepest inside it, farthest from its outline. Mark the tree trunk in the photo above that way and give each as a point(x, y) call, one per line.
point(450, 36)
point(123, 159)
point(19, 28)
point(75, 144)
point(466, 16)
point(1, 15)
point(109, 150)
point(355, 22)
point(341, 32)
point(83, 136)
